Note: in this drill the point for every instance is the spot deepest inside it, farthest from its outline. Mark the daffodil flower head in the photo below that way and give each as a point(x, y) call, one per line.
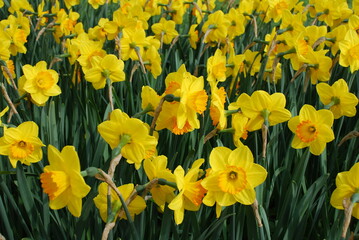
point(312, 129)
point(216, 67)
point(157, 168)
point(233, 177)
point(22, 144)
point(264, 108)
point(349, 50)
point(40, 82)
point(190, 189)
point(139, 144)
point(62, 180)
point(108, 67)
point(347, 185)
point(135, 207)
point(338, 98)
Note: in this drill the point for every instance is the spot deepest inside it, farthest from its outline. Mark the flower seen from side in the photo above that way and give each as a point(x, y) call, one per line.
point(139, 144)
point(190, 190)
point(347, 184)
point(136, 206)
point(62, 180)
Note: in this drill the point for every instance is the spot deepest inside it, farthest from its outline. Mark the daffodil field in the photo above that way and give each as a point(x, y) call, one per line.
point(176, 119)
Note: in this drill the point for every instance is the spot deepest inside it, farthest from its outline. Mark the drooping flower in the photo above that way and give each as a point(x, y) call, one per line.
point(347, 184)
point(190, 190)
point(40, 83)
point(261, 107)
point(338, 96)
point(233, 177)
point(140, 144)
point(157, 168)
point(62, 180)
point(135, 207)
point(22, 144)
point(102, 68)
point(312, 129)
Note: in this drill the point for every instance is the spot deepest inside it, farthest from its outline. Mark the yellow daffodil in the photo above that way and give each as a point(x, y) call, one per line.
point(40, 82)
point(341, 101)
point(193, 36)
point(240, 126)
point(216, 67)
point(150, 99)
point(312, 129)
point(216, 109)
point(96, 3)
point(140, 144)
point(132, 44)
point(109, 67)
point(190, 190)
point(319, 65)
point(182, 115)
point(261, 107)
point(277, 7)
point(9, 71)
point(135, 207)
point(349, 51)
point(336, 35)
point(22, 144)
point(347, 184)
point(216, 27)
point(233, 177)
point(62, 180)
point(165, 30)
point(157, 168)
point(237, 21)
point(88, 49)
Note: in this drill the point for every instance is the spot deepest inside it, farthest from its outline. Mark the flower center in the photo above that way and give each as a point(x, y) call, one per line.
point(306, 131)
point(44, 80)
point(232, 180)
point(54, 183)
point(21, 149)
point(198, 101)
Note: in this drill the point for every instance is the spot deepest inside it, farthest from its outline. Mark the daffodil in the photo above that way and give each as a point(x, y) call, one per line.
point(216, 109)
point(150, 100)
point(22, 144)
point(216, 27)
point(232, 178)
point(157, 168)
point(347, 185)
point(40, 83)
point(109, 67)
point(262, 107)
point(62, 180)
point(349, 50)
point(193, 100)
point(136, 206)
point(338, 97)
point(165, 30)
point(139, 144)
point(312, 129)
point(216, 67)
point(190, 190)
